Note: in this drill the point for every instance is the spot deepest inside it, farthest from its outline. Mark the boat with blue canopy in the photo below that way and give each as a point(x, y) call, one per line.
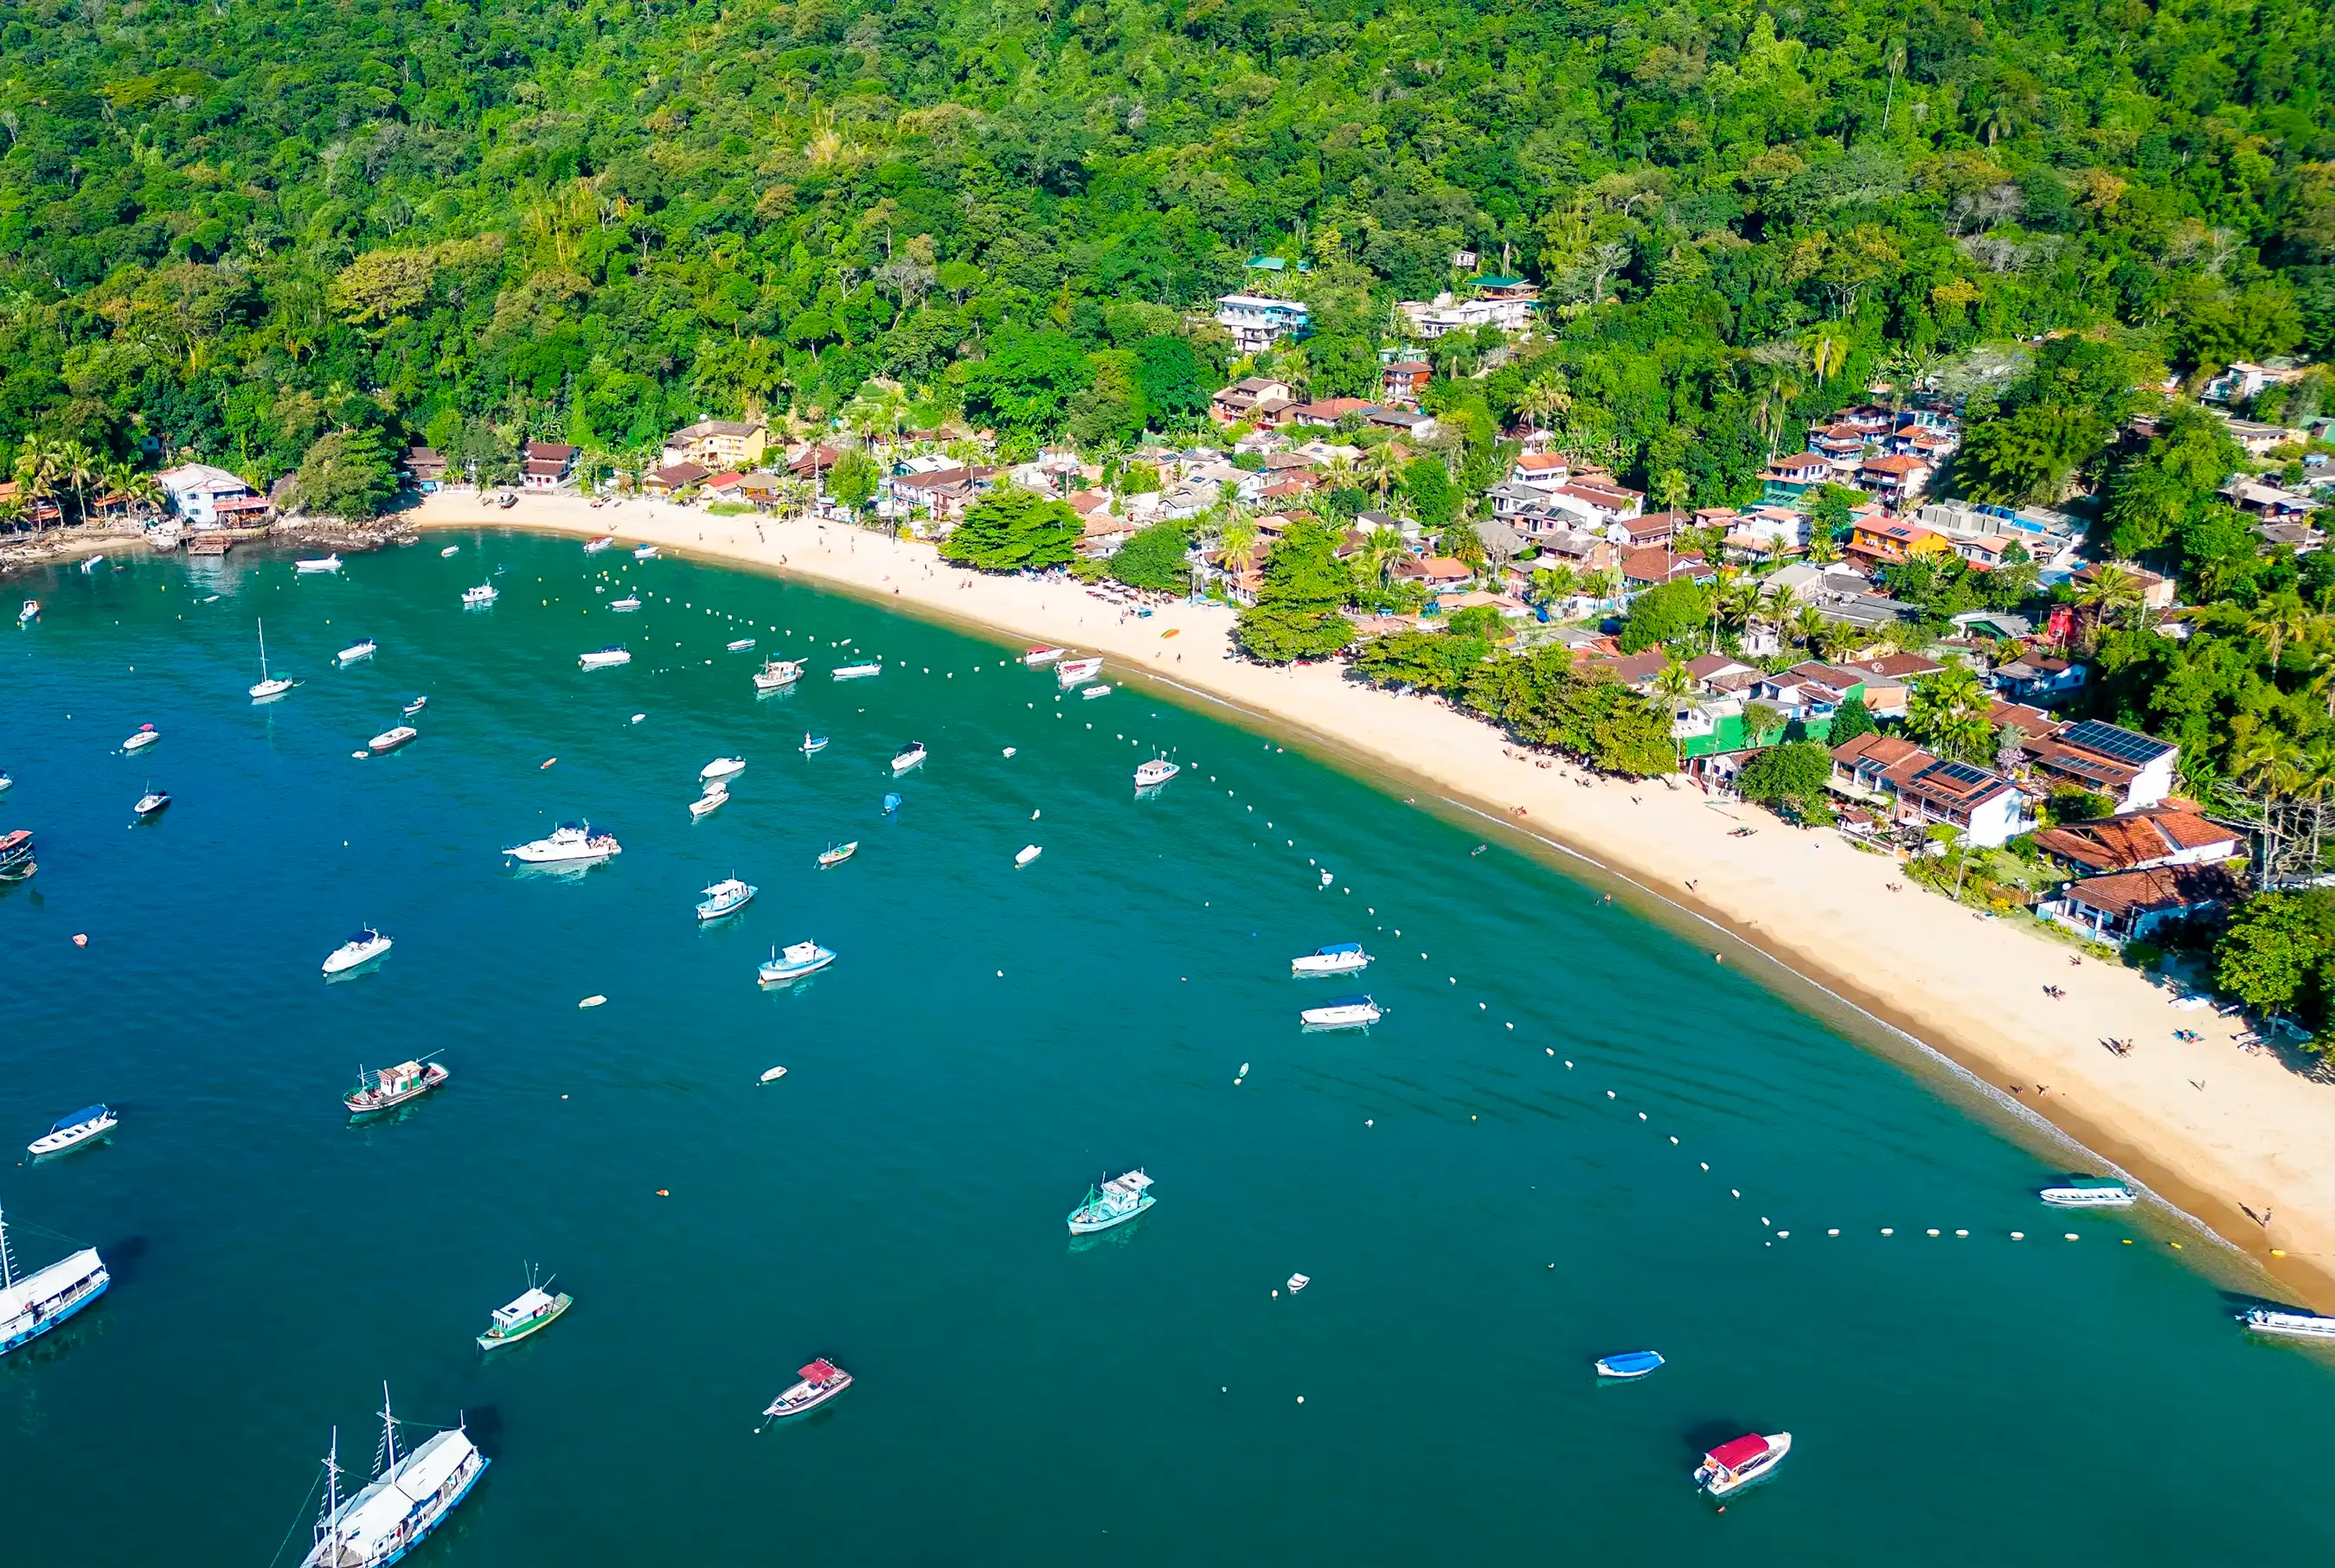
point(73, 1131)
point(1629, 1364)
point(1338, 958)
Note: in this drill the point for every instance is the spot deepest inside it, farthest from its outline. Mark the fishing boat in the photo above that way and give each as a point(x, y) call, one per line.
point(912, 755)
point(1338, 958)
point(821, 1381)
point(813, 744)
point(363, 649)
point(706, 805)
point(593, 547)
point(416, 706)
point(2089, 1192)
point(777, 674)
point(626, 605)
point(1739, 1461)
point(1026, 853)
point(269, 686)
point(318, 563)
point(1156, 773)
point(392, 1086)
point(1043, 655)
point(363, 948)
point(726, 896)
point(30, 613)
point(855, 672)
point(153, 802)
point(531, 1308)
point(32, 1304)
point(2288, 1325)
point(608, 657)
point(1093, 691)
point(1070, 672)
point(797, 959)
point(449, 550)
point(570, 843)
point(836, 854)
point(390, 739)
point(16, 861)
point(739, 645)
point(1116, 1202)
point(1629, 1364)
point(89, 564)
point(408, 1498)
point(475, 598)
point(723, 768)
point(1341, 1012)
point(147, 735)
point(73, 1131)
point(644, 552)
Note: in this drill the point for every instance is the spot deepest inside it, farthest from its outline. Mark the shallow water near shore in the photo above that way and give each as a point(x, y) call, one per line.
point(895, 1202)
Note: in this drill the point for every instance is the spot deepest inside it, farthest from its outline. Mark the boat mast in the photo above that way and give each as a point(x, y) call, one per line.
point(388, 1433)
point(324, 1520)
point(8, 1263)
point(263, 650)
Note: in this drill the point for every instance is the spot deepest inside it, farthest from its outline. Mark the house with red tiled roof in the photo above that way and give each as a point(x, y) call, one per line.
point(1895, 479)
point(1403, 381)
point(2141, 841)
point(549, 465)
point(1651, 568)
point(1921, 791)
point(1433, 573)
point(2129, 904)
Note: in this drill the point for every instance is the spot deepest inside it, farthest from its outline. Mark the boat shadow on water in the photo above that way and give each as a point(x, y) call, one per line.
point(520, 869)
point(388, 1117)
point(1121, 1235)
point(358, 971)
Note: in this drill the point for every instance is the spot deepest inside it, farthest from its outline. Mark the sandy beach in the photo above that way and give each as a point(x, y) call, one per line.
point(2231, 1138)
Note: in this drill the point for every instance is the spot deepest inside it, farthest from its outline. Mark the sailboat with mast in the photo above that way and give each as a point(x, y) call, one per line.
point(270, 686)
point(408, 1497)
point(32, 1304)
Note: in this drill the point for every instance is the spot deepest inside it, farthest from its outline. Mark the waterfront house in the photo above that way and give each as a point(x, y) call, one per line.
point(674, 479)
point(2130, 905)
point(2141, 841)
point(2134, 770)
point(211, 497)
point(423, 469)
point(718, 444)
point(547, 465)
point(1921, 790)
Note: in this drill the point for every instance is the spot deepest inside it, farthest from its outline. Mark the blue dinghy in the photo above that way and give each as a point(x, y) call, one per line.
point(1629, 1364)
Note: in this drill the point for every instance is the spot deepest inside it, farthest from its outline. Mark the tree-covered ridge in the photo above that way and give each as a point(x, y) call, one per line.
point(239, 226)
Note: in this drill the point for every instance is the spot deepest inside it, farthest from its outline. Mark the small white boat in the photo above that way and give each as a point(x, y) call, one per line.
point(706, 805)
point(1092, 692)
point(570, 843)
point(2288, 1325)
point(624, 605)
point(30, 613)
point(606, 658)
point(147, 735)
point(449, 550)
point(269, 686)
point(1338, 958)
point(836, 854)
point(777, 674)
point(797, 959)
point(70, 1131)
point(152, 802)
point(355, 651)
point(773, 1075)
point(89, 564)
point(1156, 773)
point(1341, 1012)
point(593, 547)
point(2089, 1194)
point(1116, 1202)
point(855, 672)
point(363, 948)
point(1070, 672)
point(723, 768)
point(1010, 750)
point(1044, 654)
point(390, 739)
point(821, 1380)
point(1739, 1461)
point(726, 896)
point(812, 744)
point(739, 645)
point(1028, 852)
point(318, 563)
point(1298, 1282)
point(416, 706)
point(644, 552)
point(595, 999)
point(1628, 1364)
point(478, 597)
point(912, 755)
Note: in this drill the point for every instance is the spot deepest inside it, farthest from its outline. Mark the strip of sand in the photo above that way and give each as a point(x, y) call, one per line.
point(2255, 1137)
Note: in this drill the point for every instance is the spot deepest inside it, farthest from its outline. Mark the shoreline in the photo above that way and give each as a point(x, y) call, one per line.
point(2257, 1136)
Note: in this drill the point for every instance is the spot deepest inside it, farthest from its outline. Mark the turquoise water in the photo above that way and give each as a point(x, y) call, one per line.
point(1479, 1221)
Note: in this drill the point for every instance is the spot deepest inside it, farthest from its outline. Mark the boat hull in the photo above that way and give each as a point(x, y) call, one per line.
point(341, 961)
point(71, 1137)
point(492, 1341)
point(1339, 1017)
point(372, 1103)
point(779, 974)
point(1316, 967)
point(2088, 1197)
point(63, 1315)
point(1103, 1222)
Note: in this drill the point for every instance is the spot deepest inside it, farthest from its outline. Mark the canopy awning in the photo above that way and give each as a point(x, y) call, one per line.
point(1737, 1451)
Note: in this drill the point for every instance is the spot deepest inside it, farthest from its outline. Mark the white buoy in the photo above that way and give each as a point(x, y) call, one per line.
point(1706, 1165)
point(1934, 1230)
point(1962, 1232)
point(1888, 1230)
point(1833, 1232)
point(2071, 1235)
point(1033, 815)
point(2019, 1235)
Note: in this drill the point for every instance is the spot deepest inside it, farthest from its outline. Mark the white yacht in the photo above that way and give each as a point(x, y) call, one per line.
point(331, 562)
point(1116, 1202)
point(1156, 773)
point(1338, 958)
point(408, 1499)
point(365, 946)
point(32, 1304)
point(723, 768)
point(485, 594)
point(626, 605)
point(147, 735)
point(1070, 672)
point(1341, 1012)
point(270, 686)
point(569, 844)
point(152, 803)
point(608, 657)
point(73, 1131)
point(739, 645)
point(2089, 1194)
point(726, 896)
point(363, 649)
point(777, 674)
point(1739, 1461)
point(390, 739)
point(1042, 654)
point(593, 547)
point(2289, 1325)
point(706, 805)
point(855, 672)
point(799, 959)
point(912, 755)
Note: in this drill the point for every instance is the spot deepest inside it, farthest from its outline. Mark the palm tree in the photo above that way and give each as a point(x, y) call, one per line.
point(36, 475)
point(1239, 545)
point(1827, 347)
point(78, 468)
point(1554, 584)
point(2112, 591)
point(1823, 548)
point(1947, 712)
point(2277, 620)
point(1381, 549)
point(1806, 625)
point(1546, 398)
point(1381, 472)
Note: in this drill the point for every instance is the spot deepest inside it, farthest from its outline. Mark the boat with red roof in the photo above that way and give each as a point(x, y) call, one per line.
point(1739, 1461)
point(821, 1381)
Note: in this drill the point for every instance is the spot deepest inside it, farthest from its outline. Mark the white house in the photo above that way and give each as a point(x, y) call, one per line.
point(209, 497)
point(1258, 321)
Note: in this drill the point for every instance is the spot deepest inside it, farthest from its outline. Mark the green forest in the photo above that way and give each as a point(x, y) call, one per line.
point(240, 226)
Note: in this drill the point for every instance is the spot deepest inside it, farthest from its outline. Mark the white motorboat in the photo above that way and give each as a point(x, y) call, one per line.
point(1028, 852)
point(1341, 1012)
point(569, 844)
point(593, 547)
point(1296, 1283)
point(89, 564)
point(723, 768)
point(1338, 958)
point(606, 658)
point(821, 1380)
point(152, 802)
point(5, 780)
point(1114, 1202)
point(416, 706)
point(318, 563)
point(2089, 1194)
point(270, 686)
point(1043, 655)
point(475, 598)
point(726, 896)
point(739, 645)
point(2288, 1325)
point(73, 1131)
point(836, 854)
point(30, 613)
point(1156, 773)
point(644, 553)
point(626, 605)
point(776, 674)
point(147, 735)
point(1090, 691)
point(32, 1304)
point(390, 739)
point(855, 672)
point(355, 651)
point(363, 948)
point(410, 1498)
point(912, 755)
point(797, 960)
point(1070, 672)
point(772, 1075)
point(1739, 1461)
point(706, 805)
point(449, 550)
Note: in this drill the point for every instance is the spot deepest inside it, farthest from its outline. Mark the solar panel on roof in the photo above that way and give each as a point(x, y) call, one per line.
point(2113, 741)
point(1962, 773)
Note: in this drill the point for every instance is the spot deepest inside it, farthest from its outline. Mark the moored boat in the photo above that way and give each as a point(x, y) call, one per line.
point(912, 755)
point(723, 768)
point(739, 645)
point(1114, 1202)
point(1739, 1461)
point(726, 896)
point(836, 854)
point(821, 1381)
point(532, 1309)
point(416, 706)
point(1629, 1364)
point(706, 805)
point(318, 563)
point(2089, 1192)
point(1070, 672)
point(17, 862)
point(1341, 1012)
point(29, 613)
point(410, 1497)
point(797, 959)
point(365, 946)
point(593, 547)
point(147, 735)
point(2288, 1325)
point(855, 672)
point(1095, 690)
point(1158, 772)
point(1026, 853)
point(813, 744)
point(483, 594)
point(1042, 654)
point(606, 658)
point(392, 1086)
point(390, 739)
point(32, 1304)
point(1338, 958)
point(269, 685)
point(777, 674)
point(152, 803)
point(626, 605)
point(644, 552)
point(73, 1131)
point(450, 551)
point(570, 843)
point(363, 648)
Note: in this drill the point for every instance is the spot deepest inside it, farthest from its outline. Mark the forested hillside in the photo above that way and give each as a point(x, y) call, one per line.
point(239, 224)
